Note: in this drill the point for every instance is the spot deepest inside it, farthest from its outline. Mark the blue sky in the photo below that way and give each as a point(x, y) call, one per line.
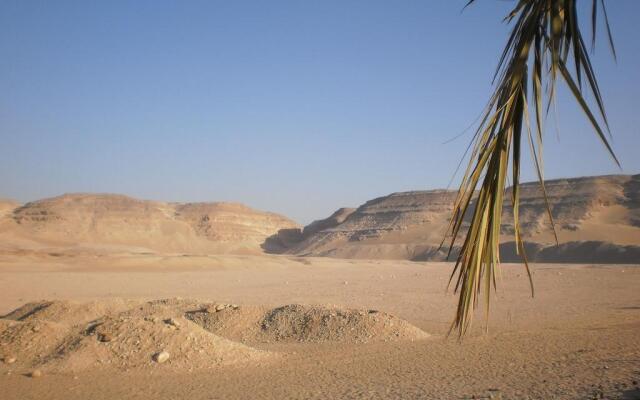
point(297, 107)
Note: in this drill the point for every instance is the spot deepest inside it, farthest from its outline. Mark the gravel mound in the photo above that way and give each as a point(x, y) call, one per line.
point(176, 334)
point(103, 335)
point(301, 323)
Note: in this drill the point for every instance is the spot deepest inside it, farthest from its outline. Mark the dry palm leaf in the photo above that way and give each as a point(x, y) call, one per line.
point(545, 39)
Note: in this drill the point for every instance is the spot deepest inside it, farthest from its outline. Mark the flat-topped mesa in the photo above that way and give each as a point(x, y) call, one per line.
point(228, 222)
point(603, 210)
point(86, 212)
point(90, 220)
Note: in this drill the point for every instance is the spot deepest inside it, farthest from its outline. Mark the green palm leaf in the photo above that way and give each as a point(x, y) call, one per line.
point(546, 36)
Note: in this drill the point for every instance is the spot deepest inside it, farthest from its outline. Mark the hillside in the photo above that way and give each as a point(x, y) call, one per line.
point(6, 206)
point(597, 219)
point(109, 222)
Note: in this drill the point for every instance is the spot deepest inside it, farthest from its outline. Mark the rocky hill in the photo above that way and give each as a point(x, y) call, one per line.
point(111, 222)
point(597, 219)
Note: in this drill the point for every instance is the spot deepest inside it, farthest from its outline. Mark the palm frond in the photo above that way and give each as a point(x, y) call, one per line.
point(546, 36)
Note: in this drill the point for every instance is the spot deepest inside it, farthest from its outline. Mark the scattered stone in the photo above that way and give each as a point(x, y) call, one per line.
point(9, 359)
point(235, 306)
point(36, 373)
point(172, 322)
point(220, 307)
point(105, 337)
point(161, 357)
point(35, 328)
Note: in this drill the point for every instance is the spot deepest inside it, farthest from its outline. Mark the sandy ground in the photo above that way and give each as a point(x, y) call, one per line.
point(579, 338)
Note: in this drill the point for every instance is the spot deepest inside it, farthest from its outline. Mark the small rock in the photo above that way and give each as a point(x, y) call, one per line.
point(105, 337)
point(161, 357)
point(172, 322)
point(9, 359)
point(235, 306)
point(35, 328)
point(345, 283)
point(36, 373)
point(220, 307)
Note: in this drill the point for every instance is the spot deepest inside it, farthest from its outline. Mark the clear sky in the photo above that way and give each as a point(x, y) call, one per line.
point(298, 107)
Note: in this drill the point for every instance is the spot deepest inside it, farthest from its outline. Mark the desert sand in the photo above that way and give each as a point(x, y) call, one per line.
point(247, 327)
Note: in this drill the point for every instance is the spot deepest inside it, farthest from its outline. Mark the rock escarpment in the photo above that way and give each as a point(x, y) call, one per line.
point(597, 219)
point(109, 221)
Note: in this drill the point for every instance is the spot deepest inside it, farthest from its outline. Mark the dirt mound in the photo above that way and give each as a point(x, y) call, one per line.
point(299, 323)
point(177, 333)
point(67, 312)
point(316, 324)
point(30, 342)
point(119, 336)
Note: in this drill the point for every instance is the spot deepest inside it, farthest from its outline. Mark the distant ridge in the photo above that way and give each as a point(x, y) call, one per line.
point(112, 222)
point(597, 220)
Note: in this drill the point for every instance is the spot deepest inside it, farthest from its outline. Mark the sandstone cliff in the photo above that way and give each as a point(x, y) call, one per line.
point(116, 222)
point(597, 219)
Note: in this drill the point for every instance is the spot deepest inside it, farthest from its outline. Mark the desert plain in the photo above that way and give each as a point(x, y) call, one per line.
point(577, 338)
